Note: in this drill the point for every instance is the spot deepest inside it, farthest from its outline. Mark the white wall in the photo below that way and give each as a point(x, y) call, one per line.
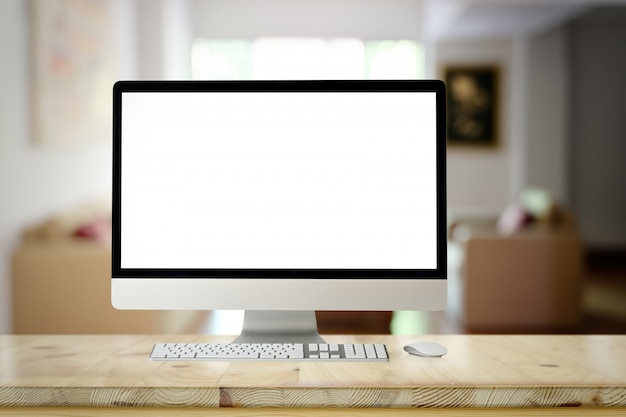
point(548, 141)
point(35, 181)
point(598, 125)
point(483, 177)
point(366, 19)
point(576, 145)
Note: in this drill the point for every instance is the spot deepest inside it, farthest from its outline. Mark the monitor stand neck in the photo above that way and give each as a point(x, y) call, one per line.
point(260, 326)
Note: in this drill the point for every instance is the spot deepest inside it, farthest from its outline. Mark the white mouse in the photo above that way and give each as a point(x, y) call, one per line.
point(428, 349)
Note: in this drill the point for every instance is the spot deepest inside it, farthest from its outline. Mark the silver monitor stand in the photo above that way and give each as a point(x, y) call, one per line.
point(260, 326)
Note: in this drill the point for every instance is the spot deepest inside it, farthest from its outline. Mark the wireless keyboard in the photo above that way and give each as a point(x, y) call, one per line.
point(269, 351)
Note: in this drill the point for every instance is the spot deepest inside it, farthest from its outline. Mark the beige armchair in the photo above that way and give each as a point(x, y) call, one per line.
point(528, 280)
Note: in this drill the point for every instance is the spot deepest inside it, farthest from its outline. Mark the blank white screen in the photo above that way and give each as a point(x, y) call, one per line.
point(278, 180)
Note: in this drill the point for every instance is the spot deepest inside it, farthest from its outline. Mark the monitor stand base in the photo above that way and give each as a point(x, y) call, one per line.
point(260, 326)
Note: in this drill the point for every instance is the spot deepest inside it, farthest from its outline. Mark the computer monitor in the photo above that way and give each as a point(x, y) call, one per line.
point(279, 198)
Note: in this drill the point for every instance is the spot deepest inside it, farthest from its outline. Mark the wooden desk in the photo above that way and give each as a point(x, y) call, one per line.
point(501, 375)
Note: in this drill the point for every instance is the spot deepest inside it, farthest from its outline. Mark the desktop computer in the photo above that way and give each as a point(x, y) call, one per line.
point(279, 198)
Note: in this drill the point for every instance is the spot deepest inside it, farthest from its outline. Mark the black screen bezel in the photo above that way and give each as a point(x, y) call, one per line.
point(436, 86)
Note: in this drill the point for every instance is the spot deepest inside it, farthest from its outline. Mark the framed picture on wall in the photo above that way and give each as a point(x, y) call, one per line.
point(72, 73)
point(472, 105)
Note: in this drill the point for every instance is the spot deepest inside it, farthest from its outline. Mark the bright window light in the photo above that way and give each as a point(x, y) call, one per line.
point(221, 59)
point(394, 60)
point(290, 58)
point(306, 58)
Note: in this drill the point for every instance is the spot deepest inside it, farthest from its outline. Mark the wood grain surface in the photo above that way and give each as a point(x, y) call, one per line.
point(479, 372)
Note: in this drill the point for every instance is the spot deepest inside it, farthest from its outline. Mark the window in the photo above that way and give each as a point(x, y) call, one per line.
point(306, 58)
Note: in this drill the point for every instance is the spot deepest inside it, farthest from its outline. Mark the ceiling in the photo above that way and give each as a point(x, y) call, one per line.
point(464, 19)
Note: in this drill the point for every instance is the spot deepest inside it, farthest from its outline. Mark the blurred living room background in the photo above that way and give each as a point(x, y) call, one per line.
point(536, 153)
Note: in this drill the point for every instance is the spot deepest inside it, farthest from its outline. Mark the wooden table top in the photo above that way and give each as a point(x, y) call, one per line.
point(515, 371)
